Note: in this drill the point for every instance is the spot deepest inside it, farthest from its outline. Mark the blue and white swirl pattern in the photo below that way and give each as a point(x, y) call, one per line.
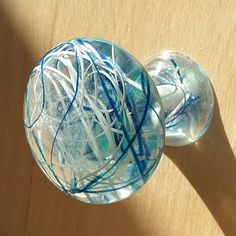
point(93, 120)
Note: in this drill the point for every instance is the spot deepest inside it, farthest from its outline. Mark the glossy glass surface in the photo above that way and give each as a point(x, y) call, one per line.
point(186, 95)
point(93, 120)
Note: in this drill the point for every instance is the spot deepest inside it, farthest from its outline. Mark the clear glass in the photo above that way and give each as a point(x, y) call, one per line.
point(186, 95)
point(93, 120)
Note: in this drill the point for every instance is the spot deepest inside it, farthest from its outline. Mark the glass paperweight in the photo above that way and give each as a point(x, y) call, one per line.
point(186, 96)
point(93, 119)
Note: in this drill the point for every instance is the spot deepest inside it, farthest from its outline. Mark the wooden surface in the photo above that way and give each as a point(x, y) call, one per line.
point(193, 191)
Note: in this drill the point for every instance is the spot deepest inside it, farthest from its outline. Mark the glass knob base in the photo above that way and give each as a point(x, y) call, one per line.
point(186, 95)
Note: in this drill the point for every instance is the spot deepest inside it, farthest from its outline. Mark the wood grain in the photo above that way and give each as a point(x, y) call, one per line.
point(193, 191)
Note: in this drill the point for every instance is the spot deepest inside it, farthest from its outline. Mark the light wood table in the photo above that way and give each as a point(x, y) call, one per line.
point(193, 191)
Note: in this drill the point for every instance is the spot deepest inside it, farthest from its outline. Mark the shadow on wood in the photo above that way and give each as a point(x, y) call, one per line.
point(29, 203)
point(210, 166)
point(16, 166)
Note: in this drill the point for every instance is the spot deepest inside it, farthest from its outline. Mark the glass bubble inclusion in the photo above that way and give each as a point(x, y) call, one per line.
point(93, 120)
point(186, 96)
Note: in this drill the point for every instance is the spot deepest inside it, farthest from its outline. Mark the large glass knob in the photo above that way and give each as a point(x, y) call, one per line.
point(95, 121)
